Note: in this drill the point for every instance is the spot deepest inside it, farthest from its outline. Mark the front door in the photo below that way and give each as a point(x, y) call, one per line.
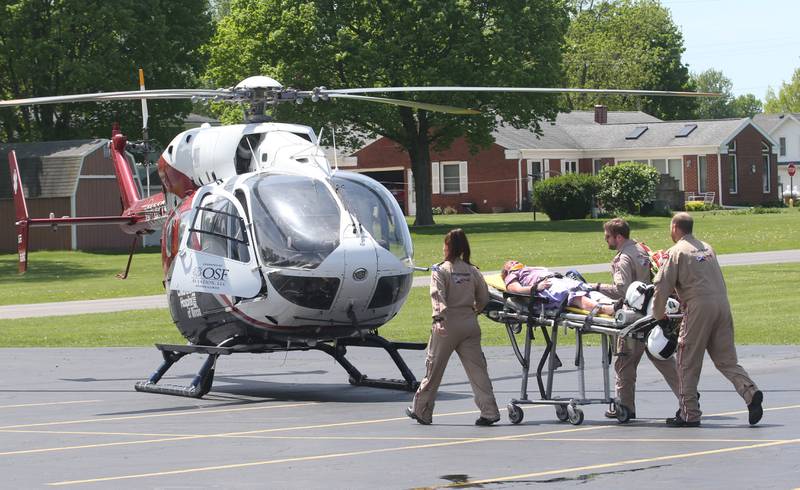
point(217, 254)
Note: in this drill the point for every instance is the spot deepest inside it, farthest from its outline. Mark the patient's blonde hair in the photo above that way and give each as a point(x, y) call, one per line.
point(507, 266)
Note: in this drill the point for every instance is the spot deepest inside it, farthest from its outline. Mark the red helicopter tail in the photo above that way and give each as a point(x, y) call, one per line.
point(128, 191)
point(21, 211)
point(127, 186)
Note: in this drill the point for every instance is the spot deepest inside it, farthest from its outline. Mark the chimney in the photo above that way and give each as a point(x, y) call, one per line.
point(600, 114)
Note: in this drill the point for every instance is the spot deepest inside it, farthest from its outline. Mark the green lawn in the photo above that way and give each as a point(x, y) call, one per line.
point(763, 315)
point(63, 276)
point(66, 276)
point(495, 238)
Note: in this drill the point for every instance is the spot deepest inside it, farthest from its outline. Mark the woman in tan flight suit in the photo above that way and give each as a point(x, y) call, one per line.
point(458, 294)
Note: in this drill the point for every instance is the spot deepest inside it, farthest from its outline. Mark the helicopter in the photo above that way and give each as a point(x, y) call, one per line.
point(266, 246)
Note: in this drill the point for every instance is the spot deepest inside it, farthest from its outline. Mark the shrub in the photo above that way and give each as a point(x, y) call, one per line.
point(765, 210)
point(450, 210)
point(625, 187)
point(436, 210)
point(697, 206)
point(566, 197)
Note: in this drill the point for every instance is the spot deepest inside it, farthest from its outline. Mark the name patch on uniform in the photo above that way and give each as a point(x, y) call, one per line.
point(461, 277)
point(703, 255)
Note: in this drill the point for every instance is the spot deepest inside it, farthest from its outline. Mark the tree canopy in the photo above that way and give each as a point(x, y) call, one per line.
point(727, 105)
point(62, 47)
point(788, 97)
point(374, 43)
point(626, 44)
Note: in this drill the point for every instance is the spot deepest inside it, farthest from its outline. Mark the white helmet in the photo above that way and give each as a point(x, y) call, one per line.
point(639, 296)
point(660, 345)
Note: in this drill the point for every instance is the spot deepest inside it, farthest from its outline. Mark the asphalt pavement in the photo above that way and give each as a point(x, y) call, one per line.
point(70, 418)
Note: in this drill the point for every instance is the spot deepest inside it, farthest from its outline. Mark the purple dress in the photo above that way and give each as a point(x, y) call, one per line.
point(559, 289)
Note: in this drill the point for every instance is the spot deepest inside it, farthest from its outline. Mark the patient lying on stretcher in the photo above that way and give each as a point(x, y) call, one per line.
point(553, 287)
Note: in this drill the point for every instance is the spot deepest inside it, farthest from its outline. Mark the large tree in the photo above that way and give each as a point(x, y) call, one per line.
point(62, 47)
point(726, 105)
point(373, 43)
point(626, 44)
point(788, 97)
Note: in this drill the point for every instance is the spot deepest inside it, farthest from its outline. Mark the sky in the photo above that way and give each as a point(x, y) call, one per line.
point(755, 43)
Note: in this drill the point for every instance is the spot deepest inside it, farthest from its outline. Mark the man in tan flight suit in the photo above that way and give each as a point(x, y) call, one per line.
point(630, 264)
point(458, 293)
point(693, 271)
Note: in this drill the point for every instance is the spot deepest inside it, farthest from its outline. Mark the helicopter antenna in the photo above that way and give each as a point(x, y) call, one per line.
point(335, 159)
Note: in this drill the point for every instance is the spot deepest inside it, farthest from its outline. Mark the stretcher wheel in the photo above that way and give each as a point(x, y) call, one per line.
point(575, 415)
point(561, 413)
point(515, 414)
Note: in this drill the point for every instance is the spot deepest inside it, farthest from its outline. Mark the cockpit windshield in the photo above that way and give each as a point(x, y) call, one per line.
point(376, 210)
point(296, 220)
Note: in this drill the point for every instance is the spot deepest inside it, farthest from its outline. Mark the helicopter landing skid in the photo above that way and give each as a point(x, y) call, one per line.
point(338, 351)
point(201, 384)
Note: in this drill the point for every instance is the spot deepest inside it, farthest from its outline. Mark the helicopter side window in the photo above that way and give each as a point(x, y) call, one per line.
point(376, 210)
point(219, 230)
point(245, 151)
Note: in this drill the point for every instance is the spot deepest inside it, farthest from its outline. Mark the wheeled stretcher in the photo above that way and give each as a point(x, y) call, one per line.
point(522, 314)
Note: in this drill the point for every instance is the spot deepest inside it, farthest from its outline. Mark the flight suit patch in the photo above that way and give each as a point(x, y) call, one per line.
point(460, 277)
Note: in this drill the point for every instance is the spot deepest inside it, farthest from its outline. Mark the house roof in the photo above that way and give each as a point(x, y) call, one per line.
point(577, 131)
point(558, 134)
point(771, 121)
point(660, 134)
point(48, 169)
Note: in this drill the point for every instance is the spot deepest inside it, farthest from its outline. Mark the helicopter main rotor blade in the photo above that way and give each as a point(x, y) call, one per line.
point(534, 90)
point(114, 96)
point(405, 103)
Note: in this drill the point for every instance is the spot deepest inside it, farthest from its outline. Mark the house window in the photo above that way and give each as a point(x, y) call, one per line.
point(733, 176)
point(660, 164)
point(597, 166)
point(782, 142)
point(675, 170)
point(569, 167)
point(454, 177)
point(766, 174)
point(702, 173)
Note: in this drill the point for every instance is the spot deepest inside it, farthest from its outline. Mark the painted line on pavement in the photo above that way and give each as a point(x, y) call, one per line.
point(318, 457)
point(183, 437)
point(628, 462)
point(44, 404)
point(427, 446)
point(170, 414)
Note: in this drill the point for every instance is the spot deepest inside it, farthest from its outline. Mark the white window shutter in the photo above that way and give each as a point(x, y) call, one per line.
point(435, 177)
point(462, 177)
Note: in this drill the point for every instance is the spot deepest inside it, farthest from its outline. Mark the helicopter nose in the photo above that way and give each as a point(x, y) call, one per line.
point(359, 275)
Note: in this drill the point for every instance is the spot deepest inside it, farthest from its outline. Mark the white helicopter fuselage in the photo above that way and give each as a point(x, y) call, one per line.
point(266, 241)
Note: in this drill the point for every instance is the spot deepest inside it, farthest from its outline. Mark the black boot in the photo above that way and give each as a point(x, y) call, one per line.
point(755, 409)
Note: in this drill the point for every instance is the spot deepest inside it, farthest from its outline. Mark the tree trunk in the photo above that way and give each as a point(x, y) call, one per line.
point(421, 167)
point(418, 147)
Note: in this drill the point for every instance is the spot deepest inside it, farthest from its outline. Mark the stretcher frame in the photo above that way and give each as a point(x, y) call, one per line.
point(518, 312)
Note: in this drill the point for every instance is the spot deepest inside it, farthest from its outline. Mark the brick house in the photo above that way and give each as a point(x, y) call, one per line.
point(734, 158)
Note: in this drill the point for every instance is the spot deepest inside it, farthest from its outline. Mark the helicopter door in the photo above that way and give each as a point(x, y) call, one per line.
point(216, 254)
